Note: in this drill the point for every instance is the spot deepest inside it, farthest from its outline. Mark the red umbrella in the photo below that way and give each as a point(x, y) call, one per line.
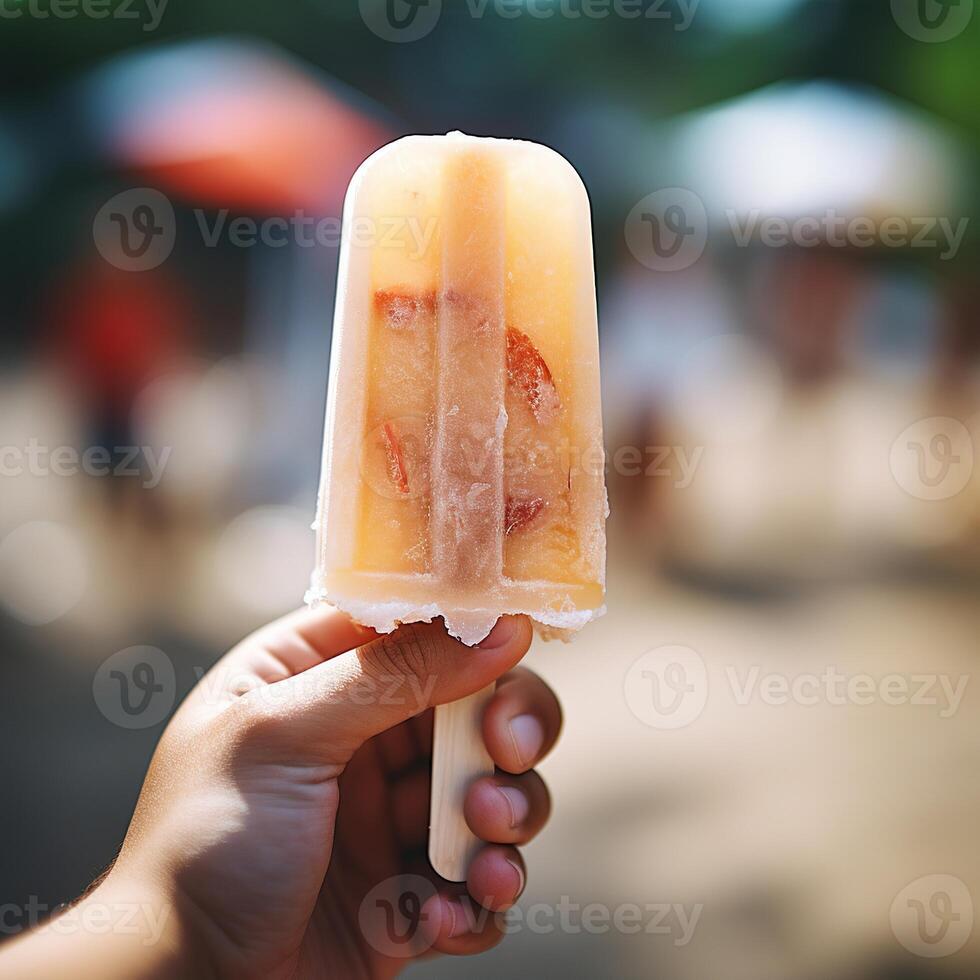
point(235, 125)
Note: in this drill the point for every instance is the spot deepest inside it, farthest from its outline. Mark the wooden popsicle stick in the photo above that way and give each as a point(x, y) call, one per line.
point(459, 757)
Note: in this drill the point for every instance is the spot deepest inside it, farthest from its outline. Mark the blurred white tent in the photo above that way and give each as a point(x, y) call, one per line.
point(792, 150)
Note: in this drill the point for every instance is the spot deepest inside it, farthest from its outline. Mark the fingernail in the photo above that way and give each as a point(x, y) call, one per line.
point(528, 736)
point(500, 635)
point(520, 877)
point(459, 924)
point(516, 803)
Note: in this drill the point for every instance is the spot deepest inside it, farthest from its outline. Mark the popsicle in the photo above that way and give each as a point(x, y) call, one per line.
point(463, 463)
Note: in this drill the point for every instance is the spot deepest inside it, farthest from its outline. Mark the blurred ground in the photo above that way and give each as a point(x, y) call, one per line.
point(791, 827)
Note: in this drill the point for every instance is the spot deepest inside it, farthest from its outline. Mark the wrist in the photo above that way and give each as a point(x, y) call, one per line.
point(154, 922)
point(122, 929)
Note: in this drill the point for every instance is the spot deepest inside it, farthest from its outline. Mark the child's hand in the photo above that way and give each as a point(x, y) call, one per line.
point(295, 778)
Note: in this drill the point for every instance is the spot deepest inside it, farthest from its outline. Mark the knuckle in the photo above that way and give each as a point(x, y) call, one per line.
point(409, 652)
point(254, 720)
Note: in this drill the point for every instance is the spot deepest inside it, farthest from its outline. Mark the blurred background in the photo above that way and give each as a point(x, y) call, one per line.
point(772, 748)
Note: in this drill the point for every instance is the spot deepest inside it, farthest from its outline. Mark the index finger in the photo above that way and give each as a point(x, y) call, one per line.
point(298, 641)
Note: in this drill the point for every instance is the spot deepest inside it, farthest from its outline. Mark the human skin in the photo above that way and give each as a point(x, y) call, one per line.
point(291, 782)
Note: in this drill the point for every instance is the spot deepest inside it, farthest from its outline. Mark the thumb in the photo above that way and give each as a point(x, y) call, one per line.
point(336, 706)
